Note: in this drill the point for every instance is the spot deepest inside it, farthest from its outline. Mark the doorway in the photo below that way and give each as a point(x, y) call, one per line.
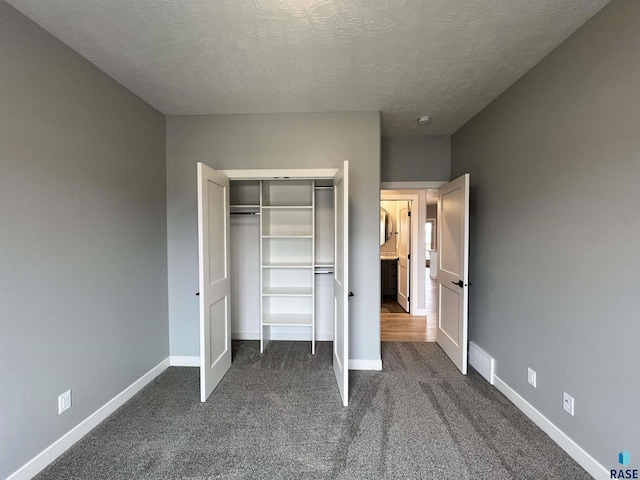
point(417, 322)
point(395, 256)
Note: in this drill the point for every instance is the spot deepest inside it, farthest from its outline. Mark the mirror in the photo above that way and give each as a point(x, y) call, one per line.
point(386, 226)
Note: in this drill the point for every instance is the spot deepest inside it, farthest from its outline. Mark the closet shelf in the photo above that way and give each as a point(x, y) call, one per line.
point(287, 236)
point(287, 292)
point(287, 207)
point(288, 319)
point(287, 265)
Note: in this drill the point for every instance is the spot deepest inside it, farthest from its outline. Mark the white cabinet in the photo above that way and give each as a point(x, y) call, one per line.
point(282, 242)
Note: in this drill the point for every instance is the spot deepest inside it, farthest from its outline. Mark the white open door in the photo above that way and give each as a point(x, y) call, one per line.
point(453, 269)
point(404, 256)
point(213, 249)
point(341, 283)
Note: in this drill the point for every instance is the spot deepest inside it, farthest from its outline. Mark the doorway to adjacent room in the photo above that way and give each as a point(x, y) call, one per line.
point(408, 299)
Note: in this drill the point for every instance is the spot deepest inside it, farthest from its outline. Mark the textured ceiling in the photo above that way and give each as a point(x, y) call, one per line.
point(405, 58)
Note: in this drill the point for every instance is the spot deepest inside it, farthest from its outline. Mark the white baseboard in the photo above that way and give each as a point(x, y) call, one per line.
point(574, 450)
point(294, 336)
point(184, 361)
point(419, 312)
point(357, 364)
point(245, 335)
point(482, 362)
point(57, 448)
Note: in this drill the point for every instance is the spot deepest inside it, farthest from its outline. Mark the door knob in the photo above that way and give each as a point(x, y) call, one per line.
point(460, 283)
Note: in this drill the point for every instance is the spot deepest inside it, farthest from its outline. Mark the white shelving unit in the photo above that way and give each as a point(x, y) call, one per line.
point(282, 246)
point(287, 253)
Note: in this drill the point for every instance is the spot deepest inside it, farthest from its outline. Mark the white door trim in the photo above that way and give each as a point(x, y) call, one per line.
point(276, 173)
point(411, 185)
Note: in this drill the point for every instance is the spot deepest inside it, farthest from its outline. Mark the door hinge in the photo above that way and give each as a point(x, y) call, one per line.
point(408, 214)
point(408, 299)
point(409, 257)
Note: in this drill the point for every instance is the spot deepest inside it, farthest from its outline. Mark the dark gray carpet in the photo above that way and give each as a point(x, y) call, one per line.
point(279, 416)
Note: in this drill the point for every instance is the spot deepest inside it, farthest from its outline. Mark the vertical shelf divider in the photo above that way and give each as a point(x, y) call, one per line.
point(313, 262)
point(262, 339)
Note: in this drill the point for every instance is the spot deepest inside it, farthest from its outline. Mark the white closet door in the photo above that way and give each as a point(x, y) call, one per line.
point(213, 249)
point(341, 283)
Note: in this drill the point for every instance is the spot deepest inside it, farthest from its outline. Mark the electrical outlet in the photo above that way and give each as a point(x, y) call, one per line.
point(567, 403)
point(532, 377)
point(64, 401)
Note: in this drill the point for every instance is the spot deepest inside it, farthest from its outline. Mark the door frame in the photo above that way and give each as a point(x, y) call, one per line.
point(413, 275)
point(281, 174)
point(416, 251)
point(267, 174)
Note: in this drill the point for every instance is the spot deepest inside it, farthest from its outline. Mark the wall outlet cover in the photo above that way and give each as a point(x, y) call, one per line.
point(567, 403)
point(64, 401)
point(532, 377)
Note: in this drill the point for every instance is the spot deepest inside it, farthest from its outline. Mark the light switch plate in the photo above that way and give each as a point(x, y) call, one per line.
point(567, 403)
point(64, 401)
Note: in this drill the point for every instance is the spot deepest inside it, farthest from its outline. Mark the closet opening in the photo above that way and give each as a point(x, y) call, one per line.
point(282, 247)
point(273, 261)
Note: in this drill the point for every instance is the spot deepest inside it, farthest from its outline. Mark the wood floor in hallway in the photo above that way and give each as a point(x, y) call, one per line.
point(403, 327)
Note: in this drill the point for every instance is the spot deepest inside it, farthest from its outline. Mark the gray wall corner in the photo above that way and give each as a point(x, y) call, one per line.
point(554, 194)
point(84, 256)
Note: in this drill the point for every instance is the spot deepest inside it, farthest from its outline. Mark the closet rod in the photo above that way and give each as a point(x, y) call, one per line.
point(322, 273)
point(245, 213)
point(323, 188)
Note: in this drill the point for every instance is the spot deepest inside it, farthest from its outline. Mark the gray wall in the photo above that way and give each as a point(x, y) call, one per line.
point(414, 159)
point(83, 302)
point(316, 140)
point(555, 166)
